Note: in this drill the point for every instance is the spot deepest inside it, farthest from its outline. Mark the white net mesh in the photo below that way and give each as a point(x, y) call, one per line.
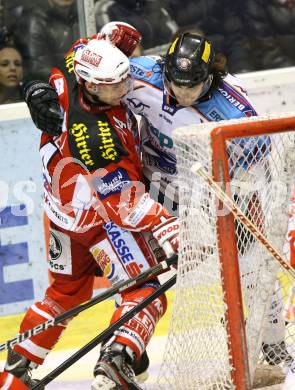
point(262, 172)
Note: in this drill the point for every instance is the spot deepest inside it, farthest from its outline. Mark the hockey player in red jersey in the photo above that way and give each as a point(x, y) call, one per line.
point(100, 215)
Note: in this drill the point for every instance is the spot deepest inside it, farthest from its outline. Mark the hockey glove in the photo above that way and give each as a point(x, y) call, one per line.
point(122, 35)
point(167, 235)
point(43, 104)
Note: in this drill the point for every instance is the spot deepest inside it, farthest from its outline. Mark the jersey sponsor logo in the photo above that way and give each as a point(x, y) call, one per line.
point(108, 147)
point(137, 104)
point(70, 62)
point(237, 100)
point(60, 259)
point(169, 109)
point(139, 211)
point(168, 231)
point(122, 249)
point(80, 135)
point(109, 271)
point(112, 183)
point(55, 251)
point(164, 140)
point(55, 247)
point(139, 72)
point(120, 124)
point(216, 115)
point(231, 99)
point(104, 262)
point(54, 210)
point(166, 107)
point(96, 146)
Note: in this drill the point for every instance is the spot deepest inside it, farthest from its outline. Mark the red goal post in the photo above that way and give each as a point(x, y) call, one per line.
point(228, 248)
point(226, 280)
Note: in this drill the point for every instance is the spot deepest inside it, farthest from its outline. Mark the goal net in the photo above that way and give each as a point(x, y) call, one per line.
point(232, 297)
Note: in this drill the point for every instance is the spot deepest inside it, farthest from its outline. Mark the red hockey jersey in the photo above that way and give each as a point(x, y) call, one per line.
point(92, 171)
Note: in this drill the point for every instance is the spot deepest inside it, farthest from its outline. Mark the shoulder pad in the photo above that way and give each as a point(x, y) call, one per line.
point(147, 69)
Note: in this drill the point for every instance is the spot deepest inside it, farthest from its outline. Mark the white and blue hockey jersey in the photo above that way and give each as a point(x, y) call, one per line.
point(162, 115)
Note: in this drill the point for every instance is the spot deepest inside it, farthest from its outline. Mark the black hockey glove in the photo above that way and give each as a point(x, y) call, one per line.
point(43, 104)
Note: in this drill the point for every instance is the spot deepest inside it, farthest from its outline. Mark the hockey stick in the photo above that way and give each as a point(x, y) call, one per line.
point(116, 289)
point(105, 334)
point(238, 213)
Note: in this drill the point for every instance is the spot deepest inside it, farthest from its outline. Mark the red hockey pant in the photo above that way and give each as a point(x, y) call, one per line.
point(73, 260)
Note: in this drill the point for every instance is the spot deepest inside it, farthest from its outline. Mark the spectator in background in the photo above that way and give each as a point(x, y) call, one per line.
point(11, 74)
point(16, 16)
point(271, 33)
point(220, 22)
point(149, 17)
point(53, 28)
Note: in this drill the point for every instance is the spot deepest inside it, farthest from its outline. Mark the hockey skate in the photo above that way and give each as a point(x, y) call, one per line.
point(21, 367)
point(113, 370)
point(275, 354)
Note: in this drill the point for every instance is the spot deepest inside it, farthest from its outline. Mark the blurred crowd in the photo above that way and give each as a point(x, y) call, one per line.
point(34, 35)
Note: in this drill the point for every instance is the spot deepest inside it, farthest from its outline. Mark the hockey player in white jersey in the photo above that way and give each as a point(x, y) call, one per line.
point(189, 85)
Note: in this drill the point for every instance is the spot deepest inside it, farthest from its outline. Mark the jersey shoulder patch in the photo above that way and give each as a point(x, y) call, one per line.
point(147, 69)
point(234, 92)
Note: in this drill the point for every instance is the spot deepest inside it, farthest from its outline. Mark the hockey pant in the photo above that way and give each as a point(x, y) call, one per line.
point(73, 260)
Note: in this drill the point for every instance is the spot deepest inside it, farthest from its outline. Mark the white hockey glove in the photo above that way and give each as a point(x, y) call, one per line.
point(167, 235)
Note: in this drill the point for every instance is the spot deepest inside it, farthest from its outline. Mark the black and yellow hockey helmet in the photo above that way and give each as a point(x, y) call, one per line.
point(188, 60)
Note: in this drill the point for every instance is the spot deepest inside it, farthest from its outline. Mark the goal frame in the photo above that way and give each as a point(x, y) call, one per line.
point(227, 244)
